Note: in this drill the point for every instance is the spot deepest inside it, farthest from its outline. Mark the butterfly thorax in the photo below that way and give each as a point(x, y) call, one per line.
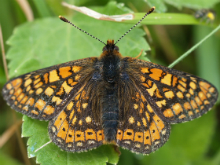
point(110, 59)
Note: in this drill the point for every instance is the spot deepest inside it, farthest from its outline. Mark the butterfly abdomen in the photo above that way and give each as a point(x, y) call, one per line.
point(110, 113)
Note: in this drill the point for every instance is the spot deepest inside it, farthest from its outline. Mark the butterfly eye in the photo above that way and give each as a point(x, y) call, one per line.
point(104, 48)
point(116, 48)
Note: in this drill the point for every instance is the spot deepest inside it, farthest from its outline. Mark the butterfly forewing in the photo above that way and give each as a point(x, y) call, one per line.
point(175, 96)
point(44, 93)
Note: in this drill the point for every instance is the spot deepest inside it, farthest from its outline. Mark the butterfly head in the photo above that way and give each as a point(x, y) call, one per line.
point(110, 47)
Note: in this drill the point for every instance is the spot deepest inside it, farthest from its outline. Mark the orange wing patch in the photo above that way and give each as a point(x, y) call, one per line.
point(65, 72)
point(156, 74)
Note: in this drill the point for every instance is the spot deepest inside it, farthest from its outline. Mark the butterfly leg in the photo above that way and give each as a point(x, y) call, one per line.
point(139, 54)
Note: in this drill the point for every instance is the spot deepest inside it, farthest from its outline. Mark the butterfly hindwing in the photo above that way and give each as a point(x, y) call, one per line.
point(175, 96)
point(77, 128)
point(42, 94)
point(141, 130)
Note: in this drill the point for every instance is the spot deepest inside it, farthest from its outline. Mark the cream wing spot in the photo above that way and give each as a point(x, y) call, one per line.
point(88, 119)
point(131, 120)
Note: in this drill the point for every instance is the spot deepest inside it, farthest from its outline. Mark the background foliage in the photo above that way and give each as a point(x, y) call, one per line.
point(47, 41)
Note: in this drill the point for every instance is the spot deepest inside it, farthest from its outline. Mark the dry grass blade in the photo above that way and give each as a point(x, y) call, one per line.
point(26, 9)
point(9, 132)
point(3, 54)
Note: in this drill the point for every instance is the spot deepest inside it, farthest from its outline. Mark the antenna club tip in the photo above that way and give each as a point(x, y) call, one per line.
point(63, 18)
point(152, 9)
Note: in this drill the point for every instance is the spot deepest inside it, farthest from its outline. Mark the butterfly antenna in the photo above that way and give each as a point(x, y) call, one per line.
point(66, 20)
point(150, 11)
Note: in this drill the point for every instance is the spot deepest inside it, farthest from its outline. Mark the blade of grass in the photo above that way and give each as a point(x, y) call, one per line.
point(42, 8)
point(208, 60)
point(165, 19)
point(194, 47)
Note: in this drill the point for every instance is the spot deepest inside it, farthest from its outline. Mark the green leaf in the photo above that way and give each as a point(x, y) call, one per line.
point(49, 41)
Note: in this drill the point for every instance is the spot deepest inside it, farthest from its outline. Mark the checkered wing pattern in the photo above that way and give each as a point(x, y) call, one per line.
point(140, 129)
point(157, 96)
point(175, 96)
point(77, 128)
point(42, 94)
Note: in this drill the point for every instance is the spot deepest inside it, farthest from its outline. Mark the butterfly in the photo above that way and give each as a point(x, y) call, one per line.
point(110, 99)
